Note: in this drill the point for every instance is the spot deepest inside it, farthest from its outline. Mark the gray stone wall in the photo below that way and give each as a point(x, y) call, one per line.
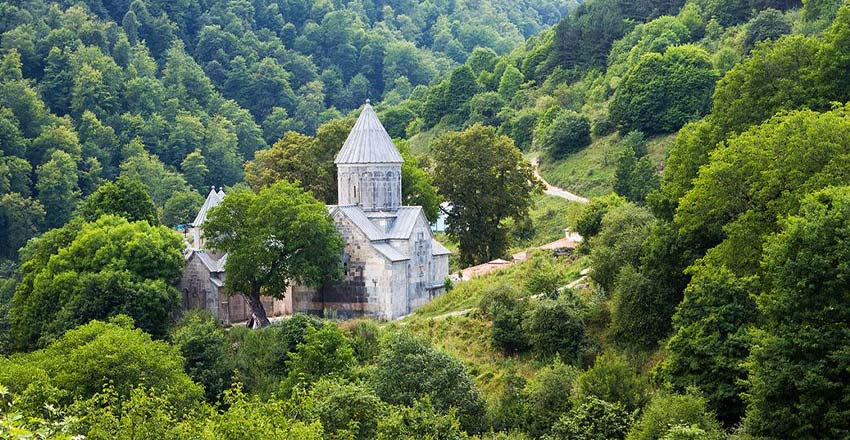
point(372, 187)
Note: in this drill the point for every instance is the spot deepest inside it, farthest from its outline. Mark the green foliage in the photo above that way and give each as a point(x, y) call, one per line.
point(589, 221)
point(710, 341)
point(125, 197)
point(347, 410)
point(640, 310)
point(619, 242)
point(663, 92)
point(612, 379)
point(20, 219)
point(203, 344)
point(57, 188)
point(325, 352)
point(98, 354)
point(87, 271)
point(507, 315)
point(593, 419)
point(556, 327)
point(504, 185)
point(568, 133)
point(799, 358)
point(245, 222)
point(666, 412)
point(770, 168)
point(409, 369)
point(181, 208)
point(768, 25)
point(548, 395)
point(261, 354)
point(635, 178)
point(776, 77)
point(420, 421)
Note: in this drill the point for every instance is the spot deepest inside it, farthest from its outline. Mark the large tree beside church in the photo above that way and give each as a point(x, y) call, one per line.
point(485, 179)
point(273, 238)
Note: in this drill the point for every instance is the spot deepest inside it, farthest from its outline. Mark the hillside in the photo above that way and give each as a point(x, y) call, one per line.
point(709, 297)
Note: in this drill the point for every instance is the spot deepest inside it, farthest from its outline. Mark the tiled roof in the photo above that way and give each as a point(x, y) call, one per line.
point(368, 142)
point(358, 217)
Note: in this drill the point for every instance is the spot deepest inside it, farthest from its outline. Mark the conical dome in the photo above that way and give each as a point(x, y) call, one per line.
point(368, 142)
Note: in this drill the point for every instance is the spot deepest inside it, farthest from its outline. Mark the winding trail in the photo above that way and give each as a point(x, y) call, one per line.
point(554, 190)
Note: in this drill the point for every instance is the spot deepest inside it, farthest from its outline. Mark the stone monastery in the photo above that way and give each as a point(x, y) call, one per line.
point(392, 264)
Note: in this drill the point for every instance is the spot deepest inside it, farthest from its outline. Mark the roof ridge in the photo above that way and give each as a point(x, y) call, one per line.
point(368, 141)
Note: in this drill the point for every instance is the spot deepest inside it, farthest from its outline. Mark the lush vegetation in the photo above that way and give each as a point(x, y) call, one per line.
point(711, 136)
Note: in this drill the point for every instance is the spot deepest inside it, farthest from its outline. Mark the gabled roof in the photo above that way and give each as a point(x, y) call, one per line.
point(208, 261)
point(438, 249)
point(213, 199)
point(368, 142)
point(356, 215)
point(402, 227)
point(389, 252)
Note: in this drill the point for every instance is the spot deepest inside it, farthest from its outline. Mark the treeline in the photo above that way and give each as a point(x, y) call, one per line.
point(301, 378)
point(732, 266)
point(179, 95)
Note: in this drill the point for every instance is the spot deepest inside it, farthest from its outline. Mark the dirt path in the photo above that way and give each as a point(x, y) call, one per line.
point(554, 190)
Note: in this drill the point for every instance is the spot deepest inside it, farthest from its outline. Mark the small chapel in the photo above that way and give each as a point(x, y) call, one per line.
point(392, 264)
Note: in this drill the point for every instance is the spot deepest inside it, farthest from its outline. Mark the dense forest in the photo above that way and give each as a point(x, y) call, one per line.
point(710, 136)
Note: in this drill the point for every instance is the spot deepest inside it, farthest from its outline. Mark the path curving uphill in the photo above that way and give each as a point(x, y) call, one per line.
point(554, 190)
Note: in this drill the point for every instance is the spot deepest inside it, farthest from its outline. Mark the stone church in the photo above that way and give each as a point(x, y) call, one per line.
point(392, 264)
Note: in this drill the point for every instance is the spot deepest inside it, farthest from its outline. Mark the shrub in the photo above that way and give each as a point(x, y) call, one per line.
point(667, 411)
point(409, 369)
point(548, 395)
point(86, 359)
point(593, 419)
point(556, 327)
point(204, 346)
point(325, 352)
point(346, 410)
point(568, 133)
point(613, 380)
point(506, 313)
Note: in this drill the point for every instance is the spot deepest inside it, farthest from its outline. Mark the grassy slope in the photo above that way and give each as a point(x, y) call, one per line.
point(467, 336)
point(590, 172)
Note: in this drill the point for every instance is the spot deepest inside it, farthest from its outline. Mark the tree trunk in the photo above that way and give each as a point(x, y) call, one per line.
point(259, 319)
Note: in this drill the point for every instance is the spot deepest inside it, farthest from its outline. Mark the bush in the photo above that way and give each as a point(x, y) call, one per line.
point(619, 242)
point(593, 419)
point(409, 369)
point(556, 327)
point(668, 412)
point(663, 92)
point(641, 310)
point(568, 133)
point(261, 354)
point(204, 346)
point(364, 334)
point(548, 395)
point(420, 421)
point(325, 352)
point(88, 358)
point(346, 410)
point(613, 380)
point(506, 314)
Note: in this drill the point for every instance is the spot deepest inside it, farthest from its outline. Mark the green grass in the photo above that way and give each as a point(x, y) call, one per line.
point(467, 336)
point(549, 216)
point(590, 172)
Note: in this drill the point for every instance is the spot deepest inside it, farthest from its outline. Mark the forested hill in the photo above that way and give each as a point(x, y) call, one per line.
point(179, 94)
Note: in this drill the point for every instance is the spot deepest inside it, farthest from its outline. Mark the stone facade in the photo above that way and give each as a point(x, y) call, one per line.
point(392, 264)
